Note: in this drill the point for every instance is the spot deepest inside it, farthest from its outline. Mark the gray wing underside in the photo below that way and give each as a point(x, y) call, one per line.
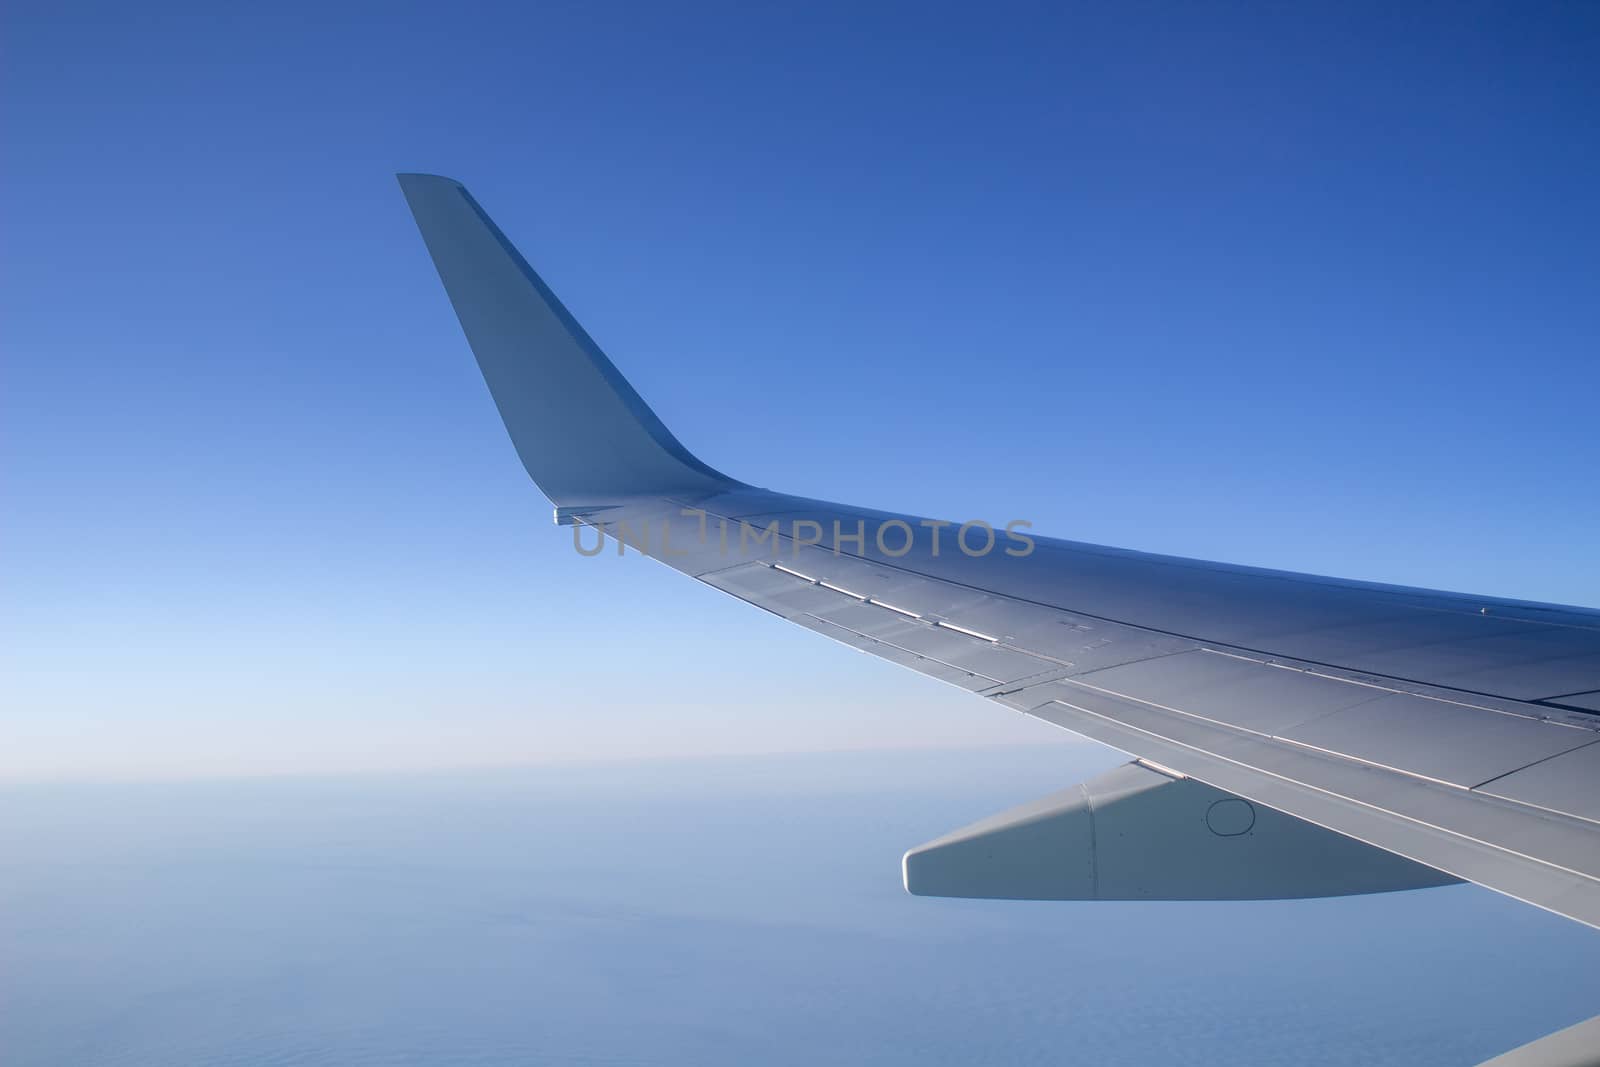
point(1456, 731)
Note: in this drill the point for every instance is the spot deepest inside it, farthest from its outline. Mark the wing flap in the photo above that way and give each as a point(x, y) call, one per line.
point(1563, 783)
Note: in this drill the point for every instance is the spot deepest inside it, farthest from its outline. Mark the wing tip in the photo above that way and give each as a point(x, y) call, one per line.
point(408, 179)
point(552, 384)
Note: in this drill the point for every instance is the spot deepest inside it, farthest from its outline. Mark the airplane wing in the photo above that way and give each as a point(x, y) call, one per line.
point(1277, 717)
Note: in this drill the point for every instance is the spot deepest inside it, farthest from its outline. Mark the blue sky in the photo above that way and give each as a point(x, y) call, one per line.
point(1306, 288)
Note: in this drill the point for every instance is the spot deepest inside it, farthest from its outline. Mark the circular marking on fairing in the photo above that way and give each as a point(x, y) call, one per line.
point(1231, 817)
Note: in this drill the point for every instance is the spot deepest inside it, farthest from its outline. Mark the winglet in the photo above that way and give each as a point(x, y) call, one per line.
point(579, 428)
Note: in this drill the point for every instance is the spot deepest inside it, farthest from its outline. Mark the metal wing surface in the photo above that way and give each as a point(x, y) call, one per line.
point(1456, 731)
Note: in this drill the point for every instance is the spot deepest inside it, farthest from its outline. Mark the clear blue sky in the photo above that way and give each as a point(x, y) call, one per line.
point(1307, 288)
